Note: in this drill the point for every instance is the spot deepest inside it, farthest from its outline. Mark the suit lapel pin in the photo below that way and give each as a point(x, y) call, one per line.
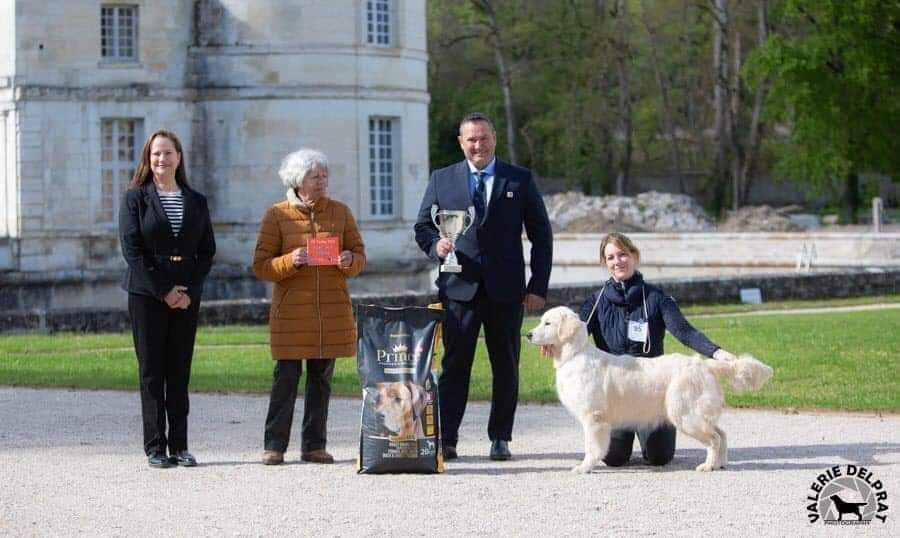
point(509, 194)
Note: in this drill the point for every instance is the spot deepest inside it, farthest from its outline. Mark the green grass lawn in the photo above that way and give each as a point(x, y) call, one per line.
point(839, 361)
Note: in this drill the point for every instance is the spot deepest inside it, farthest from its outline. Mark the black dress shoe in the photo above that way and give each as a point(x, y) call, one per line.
point(500, 451)
point(158, 460)
point(184, 459)
point(449, 452)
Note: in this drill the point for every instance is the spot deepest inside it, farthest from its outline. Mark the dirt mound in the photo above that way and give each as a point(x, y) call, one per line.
point(761, 218)
point(646, 212)
point(592, 224)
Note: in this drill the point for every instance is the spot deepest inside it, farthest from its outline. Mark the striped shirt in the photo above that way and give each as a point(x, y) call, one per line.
point(173, 205)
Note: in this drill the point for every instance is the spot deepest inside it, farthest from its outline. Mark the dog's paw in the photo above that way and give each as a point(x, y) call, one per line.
point(704, 467)
point(582, 468)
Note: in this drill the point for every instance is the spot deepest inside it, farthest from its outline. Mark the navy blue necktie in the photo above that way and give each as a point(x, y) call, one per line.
point(478, 198)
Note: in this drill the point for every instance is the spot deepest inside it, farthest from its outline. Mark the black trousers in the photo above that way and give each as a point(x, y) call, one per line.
point(502, 323)
point(164, 345)
point(657, 445)
point(315, 404)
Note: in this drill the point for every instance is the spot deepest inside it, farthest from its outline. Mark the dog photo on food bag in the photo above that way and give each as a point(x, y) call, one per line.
point(400, 406)
point(607, 391)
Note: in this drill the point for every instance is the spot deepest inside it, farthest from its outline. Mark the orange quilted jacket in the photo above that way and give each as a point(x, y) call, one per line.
point(311, 315)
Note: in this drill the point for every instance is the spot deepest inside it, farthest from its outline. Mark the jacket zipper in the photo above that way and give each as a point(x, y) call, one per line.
point(281, 302)
point(312, 216)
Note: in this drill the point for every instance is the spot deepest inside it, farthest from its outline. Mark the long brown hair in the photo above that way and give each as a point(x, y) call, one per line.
point(144, 173)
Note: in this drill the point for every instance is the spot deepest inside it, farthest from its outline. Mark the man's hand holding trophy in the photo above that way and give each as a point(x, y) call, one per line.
point(452, 223)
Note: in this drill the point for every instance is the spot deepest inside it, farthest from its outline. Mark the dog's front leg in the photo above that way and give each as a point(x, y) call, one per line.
point(596, 442)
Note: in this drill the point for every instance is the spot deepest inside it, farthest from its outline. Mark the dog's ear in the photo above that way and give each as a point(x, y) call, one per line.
point(417, 394)
point(568, 326)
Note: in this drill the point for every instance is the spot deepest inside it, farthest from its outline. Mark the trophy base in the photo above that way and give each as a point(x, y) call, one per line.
point(445, 268)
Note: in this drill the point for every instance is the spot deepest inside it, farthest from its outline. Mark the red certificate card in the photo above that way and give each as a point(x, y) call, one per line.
point(323, 251)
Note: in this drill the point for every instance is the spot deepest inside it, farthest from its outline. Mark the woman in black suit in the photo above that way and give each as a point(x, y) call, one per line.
point(168, 243)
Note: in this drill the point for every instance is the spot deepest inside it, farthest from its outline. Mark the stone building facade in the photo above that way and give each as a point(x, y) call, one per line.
point(243, 82)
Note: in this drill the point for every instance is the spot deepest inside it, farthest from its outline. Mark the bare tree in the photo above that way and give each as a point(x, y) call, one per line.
point(756, 123)
point(495, 38)
point(626, 118)
point(731, 124)
point(667, 115)
point(742, 155)
point(721, 106)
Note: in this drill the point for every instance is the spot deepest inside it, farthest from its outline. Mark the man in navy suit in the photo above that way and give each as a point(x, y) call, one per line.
point(490, 290)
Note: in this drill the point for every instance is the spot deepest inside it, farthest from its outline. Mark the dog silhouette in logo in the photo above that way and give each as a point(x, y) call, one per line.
point(401, 405)
point(843, 507)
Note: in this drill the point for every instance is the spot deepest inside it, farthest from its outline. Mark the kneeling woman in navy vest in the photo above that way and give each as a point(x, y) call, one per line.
point(627, 316)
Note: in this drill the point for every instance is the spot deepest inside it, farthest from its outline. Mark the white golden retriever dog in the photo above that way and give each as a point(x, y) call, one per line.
point(607, 391)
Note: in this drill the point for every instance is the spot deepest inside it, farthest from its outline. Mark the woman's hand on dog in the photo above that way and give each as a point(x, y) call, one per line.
point(722, 355)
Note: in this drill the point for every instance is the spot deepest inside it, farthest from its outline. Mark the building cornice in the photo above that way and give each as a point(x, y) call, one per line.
point(312, 92)
point(314, 49)
point(129, 92)
point(143, 92)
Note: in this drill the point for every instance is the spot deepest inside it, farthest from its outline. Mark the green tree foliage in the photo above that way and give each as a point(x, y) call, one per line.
point(563, 79)
point(462, 73)
point(601, 90)
point(593, 102)
point(834, 72)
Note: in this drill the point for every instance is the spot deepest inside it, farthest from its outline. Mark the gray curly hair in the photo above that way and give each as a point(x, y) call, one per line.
point(296, 165)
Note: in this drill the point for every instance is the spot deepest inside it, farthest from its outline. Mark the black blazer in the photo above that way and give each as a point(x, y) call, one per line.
point(491, 252)
point(148, 243)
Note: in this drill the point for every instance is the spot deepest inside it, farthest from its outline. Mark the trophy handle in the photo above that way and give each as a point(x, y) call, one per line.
point(470, 214)
point(434, 215)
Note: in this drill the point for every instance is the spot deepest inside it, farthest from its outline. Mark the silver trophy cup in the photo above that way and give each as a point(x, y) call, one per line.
point(452, 223)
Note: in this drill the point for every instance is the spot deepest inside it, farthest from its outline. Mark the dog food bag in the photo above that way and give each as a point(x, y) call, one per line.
point(399, 430)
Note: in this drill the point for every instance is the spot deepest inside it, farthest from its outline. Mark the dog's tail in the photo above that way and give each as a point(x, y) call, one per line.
point(745, 373)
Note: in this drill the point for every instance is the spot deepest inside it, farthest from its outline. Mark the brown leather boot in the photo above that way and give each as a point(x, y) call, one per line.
point(272, 457)
point(317, 456)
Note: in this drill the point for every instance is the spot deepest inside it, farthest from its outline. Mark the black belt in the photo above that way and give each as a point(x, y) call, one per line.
point(171, 258)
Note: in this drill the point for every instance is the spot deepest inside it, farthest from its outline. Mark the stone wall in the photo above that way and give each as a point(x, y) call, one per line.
point(394, 266)
point(61, 290)
point(766, 189)
point(576, 257)
point(686, 291)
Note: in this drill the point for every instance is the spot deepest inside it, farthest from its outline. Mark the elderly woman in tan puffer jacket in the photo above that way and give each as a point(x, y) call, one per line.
point(311, 319)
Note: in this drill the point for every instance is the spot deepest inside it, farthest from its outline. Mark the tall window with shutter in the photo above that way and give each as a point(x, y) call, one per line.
point(119, 147)
point(383, 167)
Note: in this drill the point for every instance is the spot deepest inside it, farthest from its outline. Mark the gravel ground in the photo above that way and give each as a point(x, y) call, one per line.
point(72, 465)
